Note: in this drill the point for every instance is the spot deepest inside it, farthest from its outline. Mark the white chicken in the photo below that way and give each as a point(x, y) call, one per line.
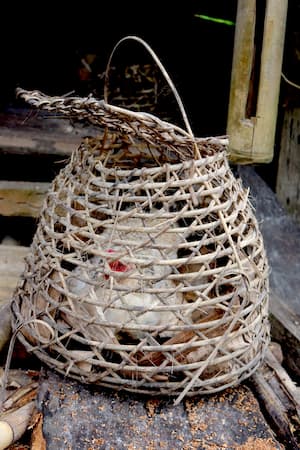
point(135, 284)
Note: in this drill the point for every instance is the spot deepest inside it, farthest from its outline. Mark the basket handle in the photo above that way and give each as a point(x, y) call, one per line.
point(161, 67)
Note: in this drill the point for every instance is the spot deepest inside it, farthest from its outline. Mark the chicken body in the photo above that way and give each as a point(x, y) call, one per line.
point(134, 294)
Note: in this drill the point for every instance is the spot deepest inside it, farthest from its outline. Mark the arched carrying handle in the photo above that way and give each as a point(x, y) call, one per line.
point(161, 67)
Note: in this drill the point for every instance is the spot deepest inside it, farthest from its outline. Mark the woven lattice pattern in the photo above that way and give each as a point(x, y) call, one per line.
point(147, 271)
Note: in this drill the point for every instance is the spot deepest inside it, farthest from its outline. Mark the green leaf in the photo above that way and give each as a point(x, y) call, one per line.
point(215, 19)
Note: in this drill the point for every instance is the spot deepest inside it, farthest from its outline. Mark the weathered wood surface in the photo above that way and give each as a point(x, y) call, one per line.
point(279, 397)
point(288, 174)
point(26, 142)
point(24, 131)
point(11, 267)
point(78, 417)
point(22, 198)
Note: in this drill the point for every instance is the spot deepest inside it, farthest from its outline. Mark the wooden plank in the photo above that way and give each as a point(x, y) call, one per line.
point(20, 198)
point(25, 142)
point(285, 329)
point(11, 267)
point(24, 132)
point(288, 175)
point(34, 120)
point(287, 317)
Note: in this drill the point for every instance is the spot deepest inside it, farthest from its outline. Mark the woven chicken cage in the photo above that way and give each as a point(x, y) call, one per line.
point(147, 271)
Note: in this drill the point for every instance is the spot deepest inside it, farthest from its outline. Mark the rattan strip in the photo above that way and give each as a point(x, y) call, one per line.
point(189, 235)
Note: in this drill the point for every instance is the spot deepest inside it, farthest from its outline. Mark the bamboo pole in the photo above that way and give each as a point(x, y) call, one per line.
point(251, 139)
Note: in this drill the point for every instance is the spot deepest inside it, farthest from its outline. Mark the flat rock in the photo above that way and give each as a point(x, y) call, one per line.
point(281, 235)
point(81, 417)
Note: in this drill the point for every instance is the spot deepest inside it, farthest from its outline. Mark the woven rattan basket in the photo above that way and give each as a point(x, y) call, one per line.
point(147, 271)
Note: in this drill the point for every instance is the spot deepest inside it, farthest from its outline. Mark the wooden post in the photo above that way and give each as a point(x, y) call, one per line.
point(251, 139)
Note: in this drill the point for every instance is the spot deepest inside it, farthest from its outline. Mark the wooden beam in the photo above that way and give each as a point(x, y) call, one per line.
point(20, 198)
point(25, 132)
point(11, 267)
point(25, 142)
point(288, 175)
